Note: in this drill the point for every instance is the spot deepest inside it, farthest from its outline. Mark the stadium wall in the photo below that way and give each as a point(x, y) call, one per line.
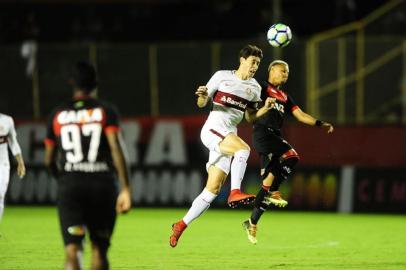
point(351, 170)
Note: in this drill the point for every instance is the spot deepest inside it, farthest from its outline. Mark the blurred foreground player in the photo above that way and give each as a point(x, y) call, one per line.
point(85, 133)
point(234, 93)
point(8, 137)
point(277, 156)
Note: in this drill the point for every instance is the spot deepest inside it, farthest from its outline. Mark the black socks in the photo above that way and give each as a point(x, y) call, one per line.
point(259, 206)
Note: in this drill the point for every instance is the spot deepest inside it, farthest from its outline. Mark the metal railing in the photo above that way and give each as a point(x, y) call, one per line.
point(315, 91)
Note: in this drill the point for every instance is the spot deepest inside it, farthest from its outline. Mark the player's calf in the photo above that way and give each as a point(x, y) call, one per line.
point(259, 205)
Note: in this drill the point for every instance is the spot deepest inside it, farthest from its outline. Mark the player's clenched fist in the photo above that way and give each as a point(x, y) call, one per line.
point(269, 102)
point(201, 91)
point(202, 96)
point(123, 204)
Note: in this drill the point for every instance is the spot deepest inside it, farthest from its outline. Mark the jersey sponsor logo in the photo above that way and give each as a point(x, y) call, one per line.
point(87, 167)
point(230, 100)
point(278, 107)
point(80, 116)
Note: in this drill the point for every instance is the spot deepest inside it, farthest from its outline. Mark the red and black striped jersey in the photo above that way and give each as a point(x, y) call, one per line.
point(78, 129)
point(283, 104)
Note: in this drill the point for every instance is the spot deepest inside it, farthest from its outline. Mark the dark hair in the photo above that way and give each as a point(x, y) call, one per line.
point(83, 76)
point(249, 50)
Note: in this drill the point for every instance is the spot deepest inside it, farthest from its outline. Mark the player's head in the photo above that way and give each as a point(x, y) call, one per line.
point(278, 72)
point(250, 57)
point(83, 77)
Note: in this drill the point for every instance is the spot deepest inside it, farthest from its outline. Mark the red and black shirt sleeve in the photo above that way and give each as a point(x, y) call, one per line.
point(291, 105)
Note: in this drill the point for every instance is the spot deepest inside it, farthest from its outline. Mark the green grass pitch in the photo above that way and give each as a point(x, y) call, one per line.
point(30, 239)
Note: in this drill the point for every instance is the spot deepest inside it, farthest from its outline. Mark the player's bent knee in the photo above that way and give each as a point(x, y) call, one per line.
point(290, 154)
point(244, 147)
point(242, 154)
point(213, 188)
point(287, 163)
point(247, 148)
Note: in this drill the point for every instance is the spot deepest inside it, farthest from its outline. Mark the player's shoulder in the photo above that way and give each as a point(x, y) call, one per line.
point(223, 73)
point(254, 82)
point(106, 105)
point(226, 72)
point(284, 92)
point(6, 118)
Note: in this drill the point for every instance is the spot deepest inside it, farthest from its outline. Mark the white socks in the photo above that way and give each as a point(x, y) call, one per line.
point(238, 167)
point(2, 198)
point(199, 205)
point(1, 211)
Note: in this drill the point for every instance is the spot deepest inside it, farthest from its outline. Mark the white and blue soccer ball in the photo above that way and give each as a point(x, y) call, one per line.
point(279, 35)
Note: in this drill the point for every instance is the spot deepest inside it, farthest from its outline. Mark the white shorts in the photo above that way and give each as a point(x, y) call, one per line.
point(211, 139)
point(4, 179)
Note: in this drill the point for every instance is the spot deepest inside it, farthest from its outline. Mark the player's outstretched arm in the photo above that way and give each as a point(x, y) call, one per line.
point(124, 198)
point(251, 115)
point(202, 96)
point(310, 120)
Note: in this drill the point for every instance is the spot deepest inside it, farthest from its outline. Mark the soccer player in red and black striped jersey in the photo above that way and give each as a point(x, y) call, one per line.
point(83, 148)
point(277, 156)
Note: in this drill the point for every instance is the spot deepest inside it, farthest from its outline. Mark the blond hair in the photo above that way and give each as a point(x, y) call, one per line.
point(278, 62)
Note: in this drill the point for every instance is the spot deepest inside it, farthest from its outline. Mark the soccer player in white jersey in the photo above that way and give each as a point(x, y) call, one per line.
point(8, 137)
point(234, 93)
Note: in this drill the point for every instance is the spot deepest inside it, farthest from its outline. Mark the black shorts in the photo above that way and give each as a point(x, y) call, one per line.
point(270, 145)
point(86, 204)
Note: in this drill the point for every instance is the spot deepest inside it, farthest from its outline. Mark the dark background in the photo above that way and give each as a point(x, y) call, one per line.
point(168, 20)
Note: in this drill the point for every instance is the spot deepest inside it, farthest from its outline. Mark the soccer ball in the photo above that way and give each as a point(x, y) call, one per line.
point(279, 35)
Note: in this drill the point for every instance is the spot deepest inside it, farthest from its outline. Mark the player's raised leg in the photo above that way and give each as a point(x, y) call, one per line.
point(287, 162)
point(235, 146)
point(201, 203)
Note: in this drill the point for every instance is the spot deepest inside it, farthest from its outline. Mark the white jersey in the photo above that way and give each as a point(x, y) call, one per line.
point(231, 97)
point(8, 137)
